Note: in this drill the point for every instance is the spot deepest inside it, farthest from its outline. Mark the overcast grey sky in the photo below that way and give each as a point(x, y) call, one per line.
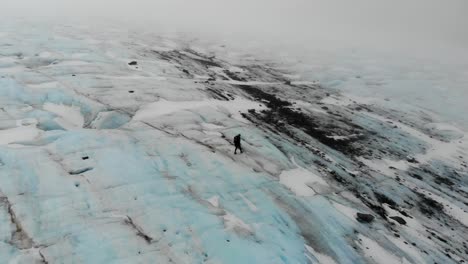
point(434, 26)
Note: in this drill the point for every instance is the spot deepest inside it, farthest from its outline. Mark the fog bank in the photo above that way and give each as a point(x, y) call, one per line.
point(432, 28)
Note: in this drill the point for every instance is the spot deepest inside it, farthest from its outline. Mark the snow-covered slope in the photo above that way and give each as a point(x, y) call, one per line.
point(119, 149)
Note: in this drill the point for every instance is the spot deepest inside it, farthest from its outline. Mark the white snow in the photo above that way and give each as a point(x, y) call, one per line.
point(26, 122)
point(413, 132)
point(201, 77)
point(409, 249)
point(236, 69)
point(234, 82)
point(438, 150)
point(310, 107)
point(209, 126)
point(445, 127)
point(69, 117)
point(450, 208)
point(44, 85)
point(212, 133)
point(346, 210)
point(292, 76)
point(251, 206)
point(72, 63)
point(322, 258)
point(232, 222)
point(343, 137)
point(303, 82)
point(342, 101)
point(377, 253)
point(18, 134)
point(383, 165)
point(214, 201)
point(164, 107)
point(413, 226)
point(12, 70)
point(302, 182)
point(219, 71)
point(46, 54)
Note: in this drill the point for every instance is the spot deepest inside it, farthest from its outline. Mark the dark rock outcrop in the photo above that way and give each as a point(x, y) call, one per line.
point(400, 220)
point(364, 218)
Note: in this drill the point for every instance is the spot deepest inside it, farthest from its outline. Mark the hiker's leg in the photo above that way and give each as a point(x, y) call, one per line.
point(235, 151)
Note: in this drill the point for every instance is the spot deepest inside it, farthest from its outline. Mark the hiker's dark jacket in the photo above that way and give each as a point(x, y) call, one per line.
point(237, 140)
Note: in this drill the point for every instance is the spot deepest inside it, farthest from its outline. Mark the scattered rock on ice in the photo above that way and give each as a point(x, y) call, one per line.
point(364, 218)
point(400, 220)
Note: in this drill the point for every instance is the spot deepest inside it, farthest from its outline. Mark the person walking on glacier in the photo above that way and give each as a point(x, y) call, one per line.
point(237, 144)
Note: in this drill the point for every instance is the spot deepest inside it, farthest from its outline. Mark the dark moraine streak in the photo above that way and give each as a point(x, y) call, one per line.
point(280, 113)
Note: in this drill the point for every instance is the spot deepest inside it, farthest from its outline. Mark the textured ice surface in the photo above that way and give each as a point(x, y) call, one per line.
point(107, 161)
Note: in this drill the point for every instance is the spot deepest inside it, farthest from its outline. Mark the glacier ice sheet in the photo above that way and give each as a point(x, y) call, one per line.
point(106, 162)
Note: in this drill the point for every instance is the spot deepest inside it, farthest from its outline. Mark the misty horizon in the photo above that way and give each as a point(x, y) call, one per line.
point(433, 29)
